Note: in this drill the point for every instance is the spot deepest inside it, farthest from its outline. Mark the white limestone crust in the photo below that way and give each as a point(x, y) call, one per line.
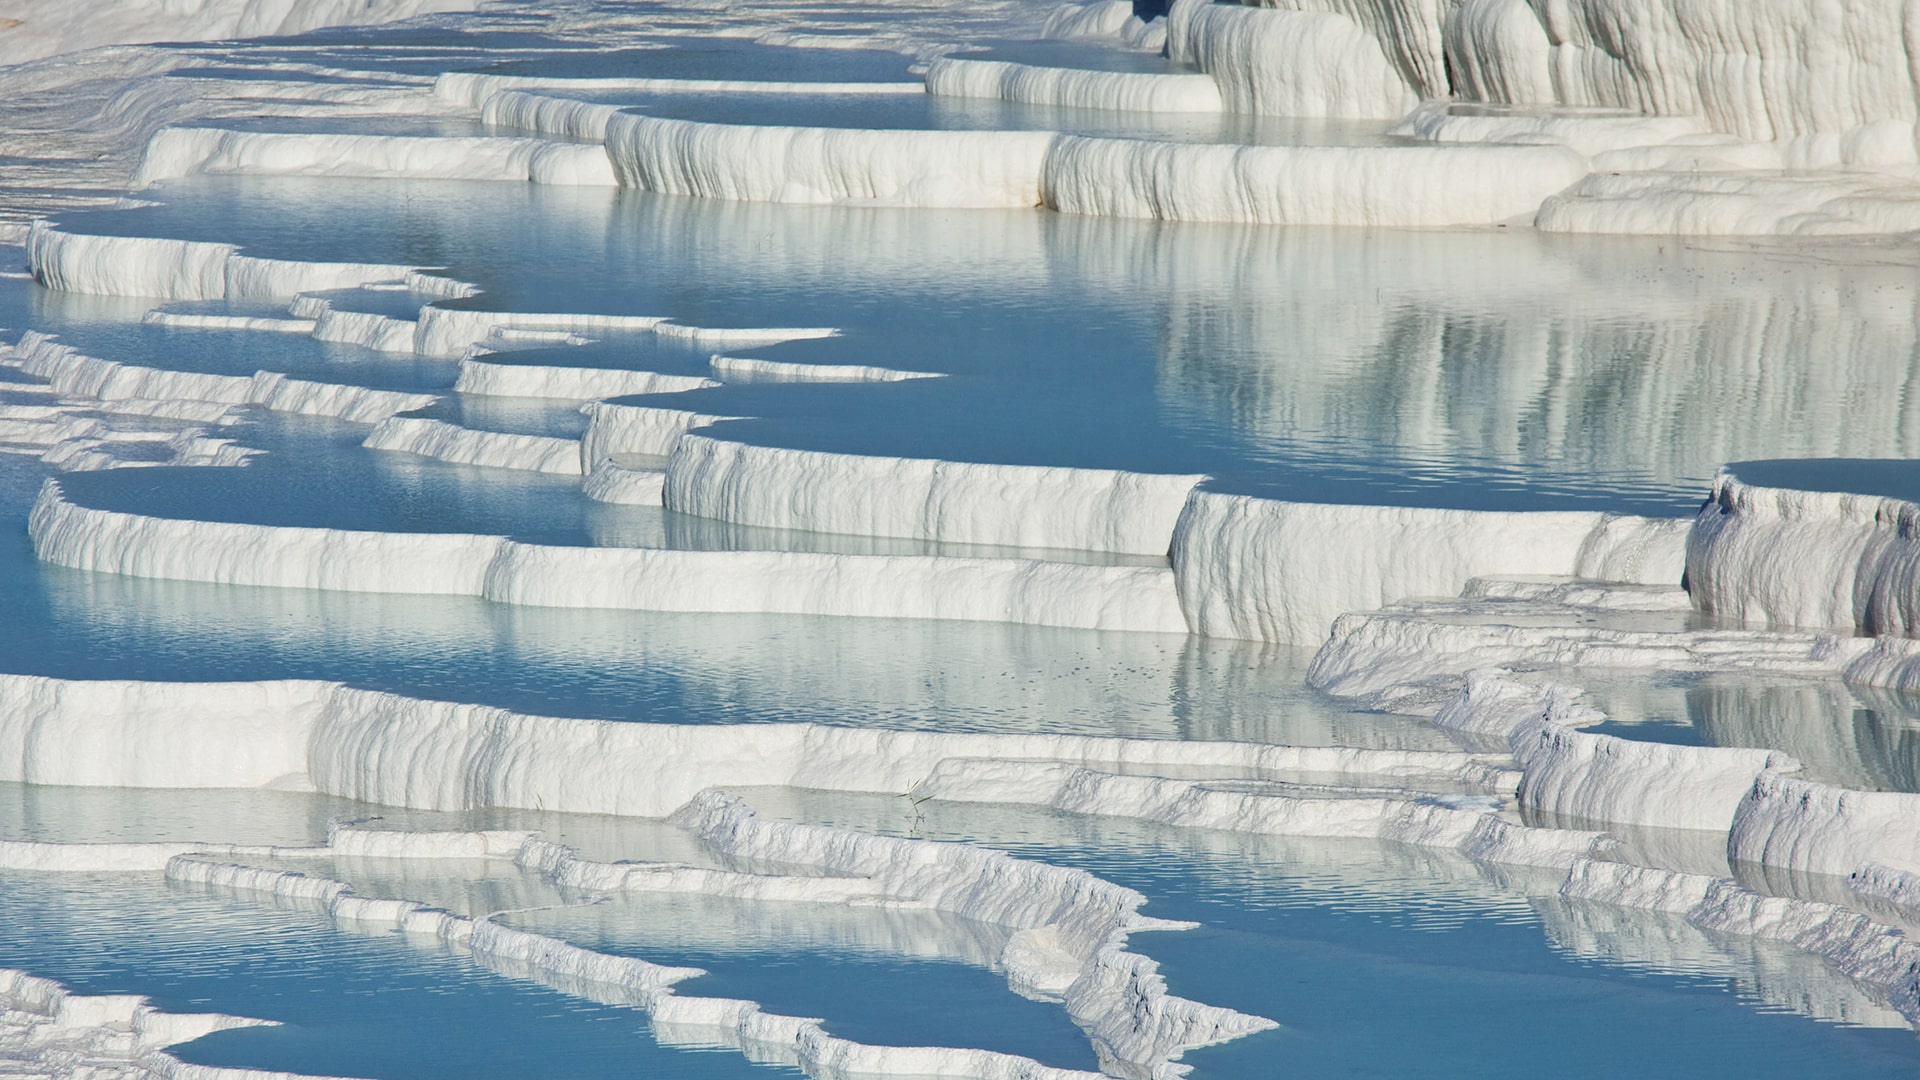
point(1806, 558)
point(610, 483)
point(1386, 186)
point(431, 755)
point(828, 165)
point(1816, 828)
point(1029, 84)
point(1138, 598)
point(927, 499)
point(75, 373)
point(1116, 995)
point(1269, 570)
point(180, 151)
point(47, 1030)
point(1604, 778)
point(182, 269)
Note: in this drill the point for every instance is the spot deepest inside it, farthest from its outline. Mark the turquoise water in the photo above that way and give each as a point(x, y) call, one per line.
point(877, 977)
point(1315, 364)
point(315, 474)
point(1855, 736)
point(349, 1005)
point(1894, 479)
point(223, 352)
point(1380, 960)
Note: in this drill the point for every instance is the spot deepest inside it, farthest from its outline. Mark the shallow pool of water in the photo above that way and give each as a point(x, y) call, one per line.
point(380, 1006)
point(1382, 960)
point(1470, 369)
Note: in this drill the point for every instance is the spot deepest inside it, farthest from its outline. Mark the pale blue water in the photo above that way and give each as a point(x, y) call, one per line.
point(1891, 478)
point(1314, 364)
point(80, 815)
point(223, 352)
point(878, 977)
point(873, 975)
point(1378, 960)
point(377, 1006)
point(1855, 736)
point(217, 70)
point(418, 51)
point(1387, 961)
point(895, 978)
point(399, 303)
point(896, 1003)
point(314, 474)
point(1679, 732)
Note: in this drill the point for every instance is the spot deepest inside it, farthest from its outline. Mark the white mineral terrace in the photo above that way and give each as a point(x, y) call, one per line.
point(1586, 153)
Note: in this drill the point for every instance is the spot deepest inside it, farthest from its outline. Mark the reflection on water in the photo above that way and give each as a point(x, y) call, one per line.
point(664, 667)
point(1383, 960)
point(1858, 737)
point(1446, 368)
point(699, 668)
point(681, 668)
point(79, 815)
point(110, 328)
point(877, 975)
point(372, 1006)
point(1378, 959)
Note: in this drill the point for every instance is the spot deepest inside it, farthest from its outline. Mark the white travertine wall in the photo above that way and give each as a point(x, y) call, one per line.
point(1806, 558)
point(1286, 63)
point(1284, 571)
point(927, 499)
point(1408, 33)
point(1828, 81)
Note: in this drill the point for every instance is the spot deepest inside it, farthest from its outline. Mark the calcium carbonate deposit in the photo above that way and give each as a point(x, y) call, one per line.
point(1018, 541)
